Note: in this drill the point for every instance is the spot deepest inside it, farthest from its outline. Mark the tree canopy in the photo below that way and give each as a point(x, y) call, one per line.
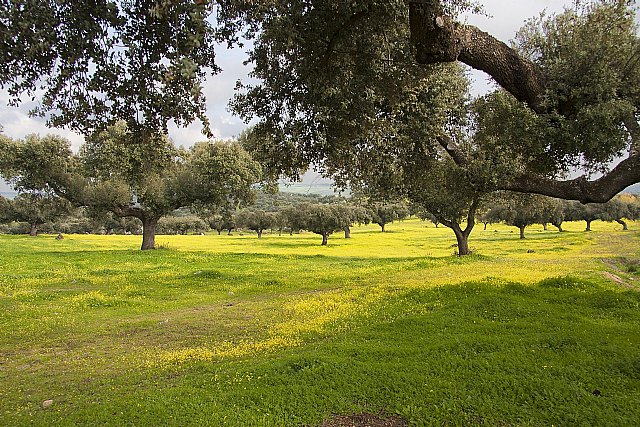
point(328, 71)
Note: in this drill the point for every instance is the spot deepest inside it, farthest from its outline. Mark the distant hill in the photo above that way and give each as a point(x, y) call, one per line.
point(311, 183)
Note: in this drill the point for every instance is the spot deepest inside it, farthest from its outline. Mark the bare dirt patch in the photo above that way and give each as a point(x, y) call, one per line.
point(364, 420)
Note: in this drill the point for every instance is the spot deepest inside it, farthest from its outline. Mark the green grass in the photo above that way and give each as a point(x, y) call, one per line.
point(232, 330)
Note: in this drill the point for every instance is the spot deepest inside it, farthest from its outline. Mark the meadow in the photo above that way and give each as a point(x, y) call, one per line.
point(235, 331)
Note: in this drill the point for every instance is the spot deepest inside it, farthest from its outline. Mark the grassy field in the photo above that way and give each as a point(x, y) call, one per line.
point(232, 330)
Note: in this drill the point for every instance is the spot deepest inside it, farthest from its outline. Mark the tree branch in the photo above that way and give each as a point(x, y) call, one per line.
point(598, 191)
point(437, 38)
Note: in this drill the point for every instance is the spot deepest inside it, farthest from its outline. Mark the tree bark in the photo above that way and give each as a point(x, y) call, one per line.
point(558, 225)
point(382, 226)
point(149, 225)
point(623, 224)
point(347, 233)
point(588, 221)
point(259, 234)
point(437, 38)
point(544, 226)
point(463, 241)
point(522, 231)
point(325, 239)
point(33, 232)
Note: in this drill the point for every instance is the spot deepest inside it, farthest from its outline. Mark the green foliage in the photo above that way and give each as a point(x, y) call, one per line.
point(96, 63)
point(589, 58)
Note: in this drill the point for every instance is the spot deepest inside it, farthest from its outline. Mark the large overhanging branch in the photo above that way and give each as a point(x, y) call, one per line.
point(437, 38)
point(601, 190)
point(598, 191)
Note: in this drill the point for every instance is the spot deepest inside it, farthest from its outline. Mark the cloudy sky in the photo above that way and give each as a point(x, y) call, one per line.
point(505, 17)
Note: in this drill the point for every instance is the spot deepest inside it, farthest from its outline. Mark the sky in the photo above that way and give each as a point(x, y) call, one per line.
point(505, 18)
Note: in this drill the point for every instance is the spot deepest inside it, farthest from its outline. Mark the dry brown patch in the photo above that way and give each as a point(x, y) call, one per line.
point(364, 420)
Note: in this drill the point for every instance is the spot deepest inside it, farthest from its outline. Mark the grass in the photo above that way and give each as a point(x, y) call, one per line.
point(232, 330)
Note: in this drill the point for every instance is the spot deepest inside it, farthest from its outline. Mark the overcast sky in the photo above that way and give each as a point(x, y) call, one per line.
point(506, 17)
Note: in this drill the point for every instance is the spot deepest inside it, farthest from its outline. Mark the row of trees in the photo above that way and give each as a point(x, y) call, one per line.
point(371, 92)
point(113, 173)
point(521, 211)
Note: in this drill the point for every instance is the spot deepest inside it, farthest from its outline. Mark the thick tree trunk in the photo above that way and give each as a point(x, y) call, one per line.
point(462, 237)
point(623, 224)
point(558, 225)
point(522, 231)
point(33, 232)
point(347, 233)
point(382, 226)
point(149, 226)
point(325, 239)
point(588, 221)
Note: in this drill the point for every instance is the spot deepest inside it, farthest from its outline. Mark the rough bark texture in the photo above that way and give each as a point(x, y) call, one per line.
point(437, 38)
point(149, 225)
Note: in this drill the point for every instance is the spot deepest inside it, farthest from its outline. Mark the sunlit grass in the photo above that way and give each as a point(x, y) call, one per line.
point(235, 330)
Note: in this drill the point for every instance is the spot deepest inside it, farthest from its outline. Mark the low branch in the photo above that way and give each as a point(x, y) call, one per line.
point(598, 191)
point(437, 38)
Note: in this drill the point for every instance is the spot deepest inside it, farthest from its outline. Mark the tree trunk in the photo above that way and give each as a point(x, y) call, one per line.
point(558, 225)
point(219, 231)
point(347, 233)
point(485, 226)
point(325, 239)
point(149, 226)
point(623, 224)
point(462, 237)
point(382, 226)
point(522, 231)
point(34, 230)
point(588, 221)
point(259, 234)
point(280, 231)
point(544, 226)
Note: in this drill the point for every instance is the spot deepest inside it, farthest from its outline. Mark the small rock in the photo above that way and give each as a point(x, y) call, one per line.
point(47, 403)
